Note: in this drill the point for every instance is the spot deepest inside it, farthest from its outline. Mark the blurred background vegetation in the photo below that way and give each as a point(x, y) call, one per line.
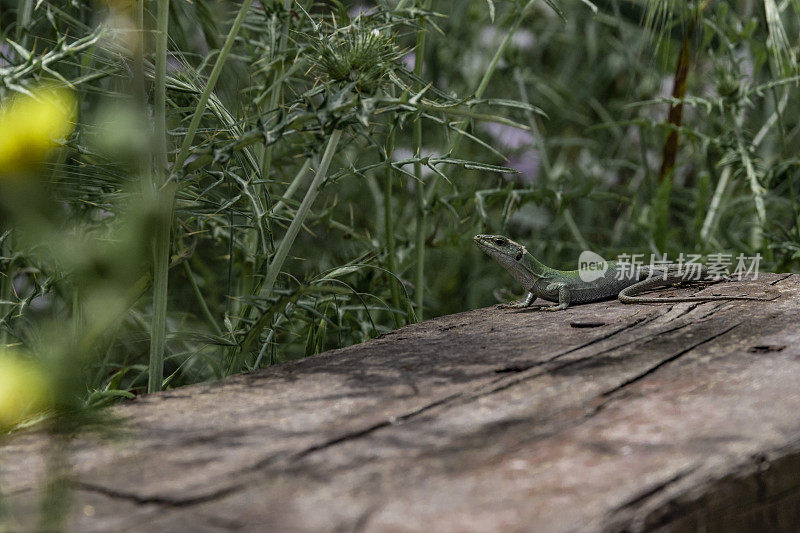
point(270, 179)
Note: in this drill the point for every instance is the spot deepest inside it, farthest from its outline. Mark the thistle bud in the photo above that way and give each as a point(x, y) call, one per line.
point(361, 56)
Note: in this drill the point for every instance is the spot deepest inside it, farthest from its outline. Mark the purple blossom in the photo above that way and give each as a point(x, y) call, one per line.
point(527, 164)
point(488, 35)
point(665, 87)
point(42, 302)
point(174, 66)
point(361, 10)
point(409, 60)
point(6, 52)
point(634, 136)
point(509, 136)
point(522, 39)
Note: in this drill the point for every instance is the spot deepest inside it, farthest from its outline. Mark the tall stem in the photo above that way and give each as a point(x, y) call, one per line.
point(756, 188)
point(710, 220)
point(388, 225)
point(275, 96)
point(163, 198)
point(293, 186)
point(669, 153)
point(302, 212)
point(212, 82)
point(419, 185)
point(6, 292)
point(294, 228)
point(24, 15)
point(198, 294)
point(145, 163)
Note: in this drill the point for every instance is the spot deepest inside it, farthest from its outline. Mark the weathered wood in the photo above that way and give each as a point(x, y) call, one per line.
point(679, 417)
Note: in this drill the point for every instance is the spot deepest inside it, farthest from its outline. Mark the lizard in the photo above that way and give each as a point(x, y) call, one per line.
point(565, 287)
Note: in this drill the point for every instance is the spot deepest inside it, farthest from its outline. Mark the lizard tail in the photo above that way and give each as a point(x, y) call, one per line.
point(624, 298)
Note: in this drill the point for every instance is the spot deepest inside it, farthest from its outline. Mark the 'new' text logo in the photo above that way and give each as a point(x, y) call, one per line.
point(591, 266)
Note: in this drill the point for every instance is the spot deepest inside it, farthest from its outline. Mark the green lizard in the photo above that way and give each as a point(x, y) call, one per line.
point(566, 287)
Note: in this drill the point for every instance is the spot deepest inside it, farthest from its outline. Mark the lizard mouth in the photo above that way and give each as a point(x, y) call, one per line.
point(480, 240)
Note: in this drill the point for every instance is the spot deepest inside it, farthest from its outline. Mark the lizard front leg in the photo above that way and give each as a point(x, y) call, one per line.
point(563, 296)
point(519, 305)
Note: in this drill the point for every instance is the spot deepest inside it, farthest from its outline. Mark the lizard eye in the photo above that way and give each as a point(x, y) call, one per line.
point(500, 242)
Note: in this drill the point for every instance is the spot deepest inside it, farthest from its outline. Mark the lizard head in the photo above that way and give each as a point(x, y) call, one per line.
point(497, 247)
point(509, 254)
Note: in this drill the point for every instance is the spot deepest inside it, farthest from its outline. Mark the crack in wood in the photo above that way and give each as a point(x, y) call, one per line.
point(666, 361)
point(645, 338)
point(522, 368)
point(654, 490)
point(478, 395)
point(158, 500)
point(454, 397)
point(360, 523)
point(637, 323)
point(445, 402)
point(229, 489)
point(366, 431)
point(785, 277)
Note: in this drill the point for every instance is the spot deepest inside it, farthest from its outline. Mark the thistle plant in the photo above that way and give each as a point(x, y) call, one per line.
point(357, 54)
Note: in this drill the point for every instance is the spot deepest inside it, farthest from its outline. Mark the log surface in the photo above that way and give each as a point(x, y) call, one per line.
point(603, 417)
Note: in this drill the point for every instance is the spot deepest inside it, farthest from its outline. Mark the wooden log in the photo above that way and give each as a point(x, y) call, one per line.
point(603, 417)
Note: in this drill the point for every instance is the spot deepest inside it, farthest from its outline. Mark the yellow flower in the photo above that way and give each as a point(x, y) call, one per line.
point(30, 126)
point(24, 390)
